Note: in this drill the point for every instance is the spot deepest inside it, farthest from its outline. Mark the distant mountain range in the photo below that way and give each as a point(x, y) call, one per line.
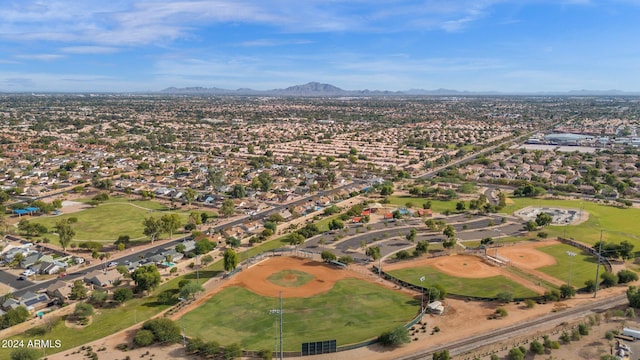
point(316, 89)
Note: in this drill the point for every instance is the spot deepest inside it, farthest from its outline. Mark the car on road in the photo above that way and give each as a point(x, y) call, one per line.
point(22, 277)
point(112, 264)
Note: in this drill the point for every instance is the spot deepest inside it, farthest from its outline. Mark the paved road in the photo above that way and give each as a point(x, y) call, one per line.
point(12, 280)
point(24, 286)
point(392, 236)
point(463, 346)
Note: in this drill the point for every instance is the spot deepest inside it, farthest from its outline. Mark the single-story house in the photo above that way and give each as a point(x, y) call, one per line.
point(34, 301)
point(60, 290)
point(102, 278)
point(34, 258)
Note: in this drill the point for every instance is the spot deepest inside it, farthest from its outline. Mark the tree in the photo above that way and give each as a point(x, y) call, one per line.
point(395, 337)
point(296, 238)
point(238, 191)
point(230, 260)
point(122, 294)
point(83, 310)
point(98, 297)
point(633, 295)
point(422, 247)
point(203, 246)
point(146, 277)
point(228, 208)
point(460, 206)
point(265, 181)
point(78, 290)
point(189, 196)
point(327, 255)
point(336, 224)
point(215, 177)
point(449, 231)
point(373, 252)
point(152, 227)
point(190, 290)
point(567, 291)
point(411, 236)
point(181, 248)
point(25, 353)
point(543, 219)
point(65, 233)
point(124, 240)
point(386, 189)
point(530, 226)
point(504, 297)
point(170, 223)
point(14, 317)
point(625, 250)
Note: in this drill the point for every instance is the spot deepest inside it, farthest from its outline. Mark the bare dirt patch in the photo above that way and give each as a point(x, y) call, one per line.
point(255, 279)
point(526, 256)
point(464, 266)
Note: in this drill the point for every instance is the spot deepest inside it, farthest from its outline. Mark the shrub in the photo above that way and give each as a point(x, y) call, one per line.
point(395, 337)
point(163, 329)
point(529, 303)
point(626, 276)
point(144, 338)
point(583, 329)
point(515, 354)
point(536, 347)
point(122, 294)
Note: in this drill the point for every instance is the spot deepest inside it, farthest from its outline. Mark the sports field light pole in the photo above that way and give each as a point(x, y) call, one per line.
point(571, 255)
point(279, 311)
point(422, 291)
point(184, 337)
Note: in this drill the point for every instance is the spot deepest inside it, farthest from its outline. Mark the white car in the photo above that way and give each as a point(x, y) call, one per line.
point(112, 264)
point(28, 272)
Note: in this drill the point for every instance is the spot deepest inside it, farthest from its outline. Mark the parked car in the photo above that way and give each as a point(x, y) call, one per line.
point(22, 277)
point(28, 272)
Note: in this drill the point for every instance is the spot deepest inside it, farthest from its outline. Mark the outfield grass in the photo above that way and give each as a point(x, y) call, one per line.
point(108, 221)
point(617, 224)
point(436, 205)
point(482, 287)
point(582, 266)
point(353, 311)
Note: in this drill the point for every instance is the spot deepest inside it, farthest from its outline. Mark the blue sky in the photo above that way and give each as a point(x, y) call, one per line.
point(476, 45)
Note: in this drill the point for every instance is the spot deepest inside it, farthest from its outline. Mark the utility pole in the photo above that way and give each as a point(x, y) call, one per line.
point(595, 293)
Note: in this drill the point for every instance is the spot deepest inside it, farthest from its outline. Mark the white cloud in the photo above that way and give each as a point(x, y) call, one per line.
point(39, 57)
point(89, 50)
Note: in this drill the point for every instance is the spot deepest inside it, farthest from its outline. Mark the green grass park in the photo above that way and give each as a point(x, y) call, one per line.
point(482, 287)
point(353, 311)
